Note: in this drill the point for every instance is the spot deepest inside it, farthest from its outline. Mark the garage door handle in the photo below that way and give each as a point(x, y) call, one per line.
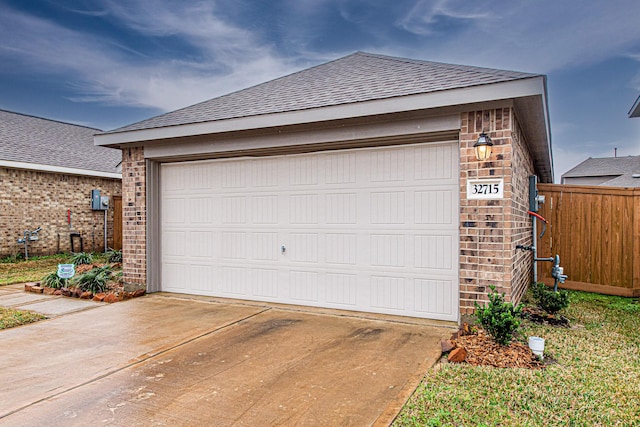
point(283, 249)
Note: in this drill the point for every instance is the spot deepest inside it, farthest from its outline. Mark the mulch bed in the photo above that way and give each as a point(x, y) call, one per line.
point(483, 350)
point(473, 346)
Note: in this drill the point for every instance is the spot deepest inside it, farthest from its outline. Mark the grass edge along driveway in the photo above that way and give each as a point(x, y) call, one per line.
point(595, 379)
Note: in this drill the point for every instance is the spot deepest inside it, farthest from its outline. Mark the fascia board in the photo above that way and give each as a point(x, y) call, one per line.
point(58, 169)
point(476, 94)
point(635, 110)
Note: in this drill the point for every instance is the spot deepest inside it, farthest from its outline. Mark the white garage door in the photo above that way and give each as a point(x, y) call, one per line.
point(372, 230)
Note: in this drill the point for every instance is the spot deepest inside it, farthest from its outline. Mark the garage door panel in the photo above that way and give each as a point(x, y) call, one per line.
point(303, 286)
point(341, 248)
point(433, 207)
point(436, 163)
point(387, 207)
point(387, 250)
point(341, 289)
point(388, 165)
point(234, 174)
point(363, 229)
point(340, 208)
point(264, 209)
point(388, 292)
point(200, 244)
point(264, 246)
point(235, 281)
point(234, 245)
point(173, 209)
point(200, 210)
point(433, 296)
point(174, 243)
point(266, 283)
point(303, 247)
point(340, 168)
point(434, 252)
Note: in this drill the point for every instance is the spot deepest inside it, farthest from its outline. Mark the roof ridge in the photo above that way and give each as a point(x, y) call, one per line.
point(48, 120)
point(439, 63)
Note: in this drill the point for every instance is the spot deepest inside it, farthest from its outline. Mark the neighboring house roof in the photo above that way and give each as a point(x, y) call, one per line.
point(621, 169)
point(360, 85)
point(30, 142)
point(635, 110)
point(355, 78)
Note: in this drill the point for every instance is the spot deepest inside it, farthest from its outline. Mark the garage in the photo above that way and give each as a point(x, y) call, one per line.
point(367, 229)
point(347, 186)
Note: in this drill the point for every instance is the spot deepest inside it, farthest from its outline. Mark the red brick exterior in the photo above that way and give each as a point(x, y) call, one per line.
point(134, 218)
point(491, 229)
point(31, 199)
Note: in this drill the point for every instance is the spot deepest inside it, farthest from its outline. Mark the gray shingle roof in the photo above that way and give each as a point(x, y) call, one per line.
point(355, 78)
point(41, 141)
point(623, 168)
point(604, 166)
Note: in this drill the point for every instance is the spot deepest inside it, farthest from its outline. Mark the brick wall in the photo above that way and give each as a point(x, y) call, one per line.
point(490, 229)
point(134, 219)
point(521, 222)
point(31, 199)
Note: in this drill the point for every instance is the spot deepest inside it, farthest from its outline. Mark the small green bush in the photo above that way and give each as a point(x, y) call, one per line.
point(499, 318)
point(95, 280)
point(82, 258)
point(52, 280)
point(114, 256)
point(548, 300)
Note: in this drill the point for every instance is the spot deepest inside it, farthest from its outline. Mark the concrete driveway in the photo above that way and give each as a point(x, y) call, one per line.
point(171, 360)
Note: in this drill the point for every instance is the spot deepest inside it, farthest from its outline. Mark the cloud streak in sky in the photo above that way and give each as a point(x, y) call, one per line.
point(104, 70)
point(200, 50)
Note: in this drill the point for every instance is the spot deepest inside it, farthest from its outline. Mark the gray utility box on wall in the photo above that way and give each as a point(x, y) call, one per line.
point(99, 203)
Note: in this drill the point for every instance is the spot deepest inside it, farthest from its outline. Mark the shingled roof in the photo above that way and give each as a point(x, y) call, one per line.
point(355, 78)
point(620, 169)
point(38, 141)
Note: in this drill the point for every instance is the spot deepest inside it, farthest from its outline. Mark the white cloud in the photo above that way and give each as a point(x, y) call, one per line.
point(101, 69)
point(539, 36)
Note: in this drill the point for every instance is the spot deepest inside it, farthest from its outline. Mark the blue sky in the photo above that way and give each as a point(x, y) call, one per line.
point(107, 63)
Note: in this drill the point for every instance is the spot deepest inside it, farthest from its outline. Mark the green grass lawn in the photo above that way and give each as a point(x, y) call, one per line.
point(31, 270)
point(10, 318)
point(35, 268)
point(594, 382)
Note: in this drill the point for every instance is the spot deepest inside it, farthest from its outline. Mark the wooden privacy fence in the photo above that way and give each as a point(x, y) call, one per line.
point(117, 223)
point(596, 232)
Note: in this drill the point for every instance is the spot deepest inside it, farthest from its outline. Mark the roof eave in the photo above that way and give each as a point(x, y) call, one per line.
point(58, 169)
point(635, 110)
point(532, 92)
point(474, 94)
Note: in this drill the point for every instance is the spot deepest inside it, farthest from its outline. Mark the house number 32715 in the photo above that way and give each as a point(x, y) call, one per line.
point(485, 188)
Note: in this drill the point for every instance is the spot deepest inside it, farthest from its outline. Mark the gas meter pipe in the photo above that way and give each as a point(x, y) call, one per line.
point(534, 247)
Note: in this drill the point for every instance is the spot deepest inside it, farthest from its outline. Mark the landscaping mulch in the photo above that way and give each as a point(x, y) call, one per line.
point(481, 349)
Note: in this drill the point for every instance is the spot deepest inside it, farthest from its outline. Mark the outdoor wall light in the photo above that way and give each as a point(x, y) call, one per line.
point(483, 147)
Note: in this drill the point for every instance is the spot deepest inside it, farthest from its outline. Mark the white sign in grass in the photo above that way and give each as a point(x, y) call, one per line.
point(66, 271)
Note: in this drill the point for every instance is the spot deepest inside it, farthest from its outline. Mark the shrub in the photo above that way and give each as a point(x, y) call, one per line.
point(52, 280)
point(82, 258)
point(95, 280)
point(499, 318)
point(549, 300)
point(114, 256)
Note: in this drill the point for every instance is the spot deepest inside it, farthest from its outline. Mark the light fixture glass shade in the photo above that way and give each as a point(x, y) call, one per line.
point(483, 147)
